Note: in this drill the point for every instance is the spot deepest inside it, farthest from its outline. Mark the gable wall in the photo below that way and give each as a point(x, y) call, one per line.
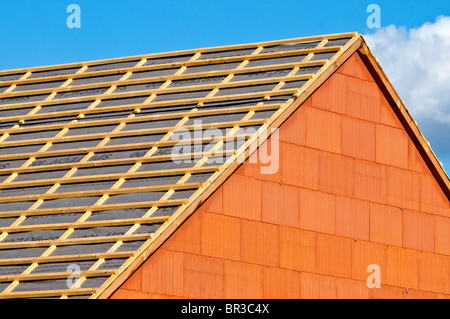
point(351, 190)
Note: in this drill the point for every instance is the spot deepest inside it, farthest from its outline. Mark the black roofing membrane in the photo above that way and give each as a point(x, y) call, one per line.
point(87, 186)
point(123, 101)
point(81, 249)
point(56, 72)
point(290, 47)
point(153, 73)
point(64, 107)
point(293, 84)
point(276, 60)
point(66, 266)
point(169, 59)
point(51, 219)
point(260, 75)
point(55, 160)
point(79, 93)
point(197, 81)
point(57, 284)
point(40, 175)
point(74, 145)
point(150, 124)
point(146, 138)
point(90, 129)
point(100, 170)
point(22, 252)
point(56, 120)
point(334, 42)
point(23, 99)
point(68, 202)
point(227, 117)
point(32, 135)
point(9, 77)
point(8, 207)
point(134, 197)
point(37, 86)
point(12, 270)
point(211, 67)
point(322, 56)
point(12, 163)
point(6, 192)
point(7, 221)
point(109, 66)
point(96, 79)
point(100, 231)
point(246, 89)
point(36, 235)
point(181, 95)
point(138, 87)
point(118, 214)
point(15, 112)
point(228, 53)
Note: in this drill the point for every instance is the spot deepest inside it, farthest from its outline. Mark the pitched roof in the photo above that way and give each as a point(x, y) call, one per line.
point(101, 161)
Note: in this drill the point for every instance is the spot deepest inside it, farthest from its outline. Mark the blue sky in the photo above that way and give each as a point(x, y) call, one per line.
point(35, 33)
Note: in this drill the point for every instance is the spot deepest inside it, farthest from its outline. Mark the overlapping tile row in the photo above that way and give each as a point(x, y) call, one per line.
point(97, 157)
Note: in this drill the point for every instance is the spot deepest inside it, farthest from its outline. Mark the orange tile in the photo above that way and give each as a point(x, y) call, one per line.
point(334, 255)
point(214, 202)
point(355, 67)
point(332, 95)
point(402, 267)
point(266, 160)
point(365, 254)
point(129, 294)
point(386, 223)
point(134, 282)
point(203, 277)
point(351, 289)
point(187, 238)
point(298, 249)
point(442, 235)
point(317, 211)
point(419, 294)
point(163, 273)
point(281, 283)
point(323, 130)
point(434, 273)
point(299, 166)
point(358, 138)
point(432, 198)
point(293, 131)
point(403, 188)
point(243, 280)
point(415, 160)
point(315, 286)
point(260, 243)
point(242, 197)
point(387, 292)
point(391, 146)
point(336, 173)
point(280, 204)
point(388, 116)
point(352, 218)
point(215, 228)
point(418, 231)
point(370, 181)
point(363, 99)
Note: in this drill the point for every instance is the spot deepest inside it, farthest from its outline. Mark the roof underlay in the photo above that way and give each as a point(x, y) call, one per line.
point(101, 161)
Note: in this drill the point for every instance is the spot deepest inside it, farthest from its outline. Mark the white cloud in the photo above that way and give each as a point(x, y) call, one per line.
point(417, 61)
